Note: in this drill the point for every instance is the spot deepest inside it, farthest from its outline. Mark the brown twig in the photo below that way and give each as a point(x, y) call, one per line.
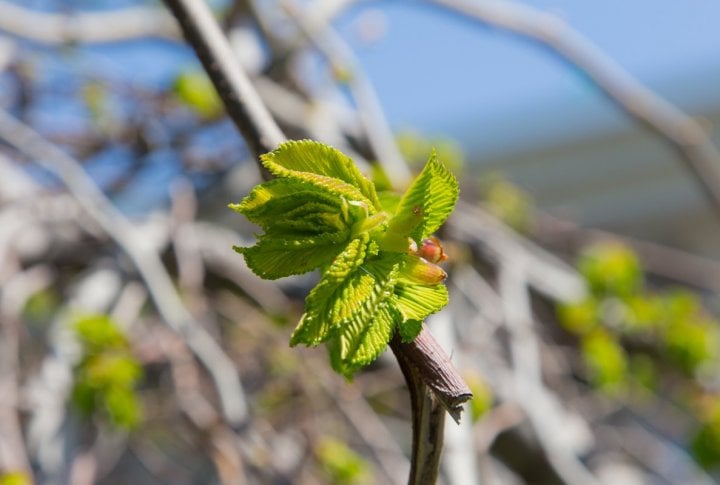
point(242, 102)
point(428, 420)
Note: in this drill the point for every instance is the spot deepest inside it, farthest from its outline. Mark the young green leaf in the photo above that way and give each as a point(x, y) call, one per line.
point(417, 302)
point(321, 212)
point(427, 203)
point(339, 294)
point(409, 329)
point(272, 257)
point(366, 333)
point(324, 166)
point(363, 338)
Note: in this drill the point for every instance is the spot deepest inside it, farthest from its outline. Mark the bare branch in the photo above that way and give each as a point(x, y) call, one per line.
point(242, 102)
point(13, 297)
point(542, 409)
point(545, 272)
point(682, 266)
point(377, 128)
point(86, 27)
point(428, 420)
point(147, 262)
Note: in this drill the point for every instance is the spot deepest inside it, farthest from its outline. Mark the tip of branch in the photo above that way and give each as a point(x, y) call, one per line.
point(436, 371)
point(455, 407)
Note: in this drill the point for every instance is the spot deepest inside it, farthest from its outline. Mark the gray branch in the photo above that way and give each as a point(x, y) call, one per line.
point(146, 260)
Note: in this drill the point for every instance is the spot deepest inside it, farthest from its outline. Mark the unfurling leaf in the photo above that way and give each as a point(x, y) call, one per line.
point(427, 203)
point(321, 212)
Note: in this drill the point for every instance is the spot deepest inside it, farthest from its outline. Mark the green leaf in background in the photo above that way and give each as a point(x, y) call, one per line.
point(579, 317)
point(508, 202)
point(482, 400)
point(321, 212)
point(705, 444)
point(415, 147)
point(606, 360)
point(15, 478)
point(691, 343)
point(611, 269)
point(195, 89)
point(343, 465)
point(106, 376)
point(99, 332)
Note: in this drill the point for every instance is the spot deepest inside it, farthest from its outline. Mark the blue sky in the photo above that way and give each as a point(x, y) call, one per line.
point(442, 74)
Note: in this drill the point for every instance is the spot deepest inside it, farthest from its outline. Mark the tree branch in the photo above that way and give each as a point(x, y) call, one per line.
point(376, 126)
point(87, 27)
point(430, 376)
point(428, 421)
point(242, 102)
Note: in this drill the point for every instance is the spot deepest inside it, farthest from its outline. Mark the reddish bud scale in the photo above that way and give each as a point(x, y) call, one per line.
point(431, 250)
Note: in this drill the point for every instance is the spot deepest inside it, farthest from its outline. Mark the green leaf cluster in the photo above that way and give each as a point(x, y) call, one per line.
point(508, 202)
point(320, 212)
point(342, 464)
point(631, 336)
point(619, 306)
point(107, 373)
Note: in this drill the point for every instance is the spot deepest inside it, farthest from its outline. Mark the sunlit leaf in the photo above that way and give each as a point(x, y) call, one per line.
point(323, 166)
point(277, 257)
point(427, 203)
point(416, 299)
point(364, 337)
point(321, 212)
point(341, 292)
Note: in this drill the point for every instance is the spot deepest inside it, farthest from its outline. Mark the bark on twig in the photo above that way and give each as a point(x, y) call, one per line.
point(242, 102)
point(428, 421)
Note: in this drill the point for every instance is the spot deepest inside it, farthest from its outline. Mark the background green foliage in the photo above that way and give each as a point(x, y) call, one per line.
point(630, 335)
point(107, 373)
point(341, 463)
